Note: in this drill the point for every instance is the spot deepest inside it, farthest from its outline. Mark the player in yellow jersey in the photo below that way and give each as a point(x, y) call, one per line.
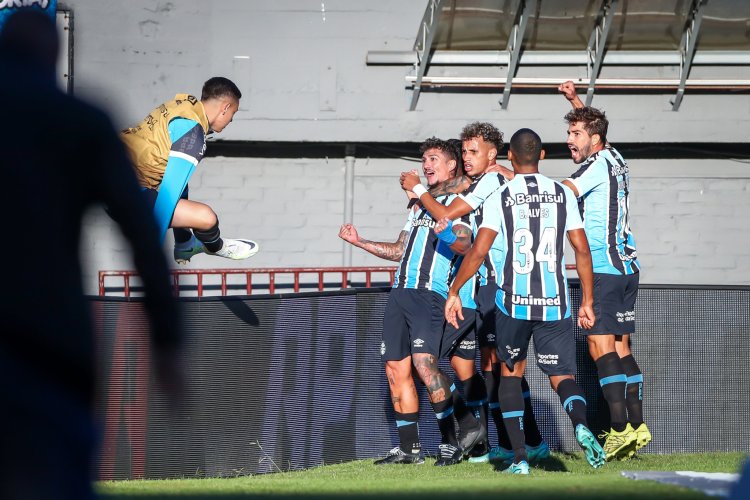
point(165, 149)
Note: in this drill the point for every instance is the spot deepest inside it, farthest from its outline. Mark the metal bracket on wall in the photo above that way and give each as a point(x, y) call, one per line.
point(687, 47)
point(515, 42)
point(597, 45)
point(423, 45)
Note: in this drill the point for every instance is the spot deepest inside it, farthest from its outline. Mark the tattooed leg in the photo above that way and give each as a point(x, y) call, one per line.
point(437, 383)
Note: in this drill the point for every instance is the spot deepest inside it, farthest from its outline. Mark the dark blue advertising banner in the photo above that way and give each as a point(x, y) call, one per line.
point(285, 382)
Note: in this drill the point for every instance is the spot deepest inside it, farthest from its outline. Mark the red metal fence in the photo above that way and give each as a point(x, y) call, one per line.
point(300, 276)
point(308, 277)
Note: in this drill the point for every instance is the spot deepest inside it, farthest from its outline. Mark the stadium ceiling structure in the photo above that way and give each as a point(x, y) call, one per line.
point(631, 45)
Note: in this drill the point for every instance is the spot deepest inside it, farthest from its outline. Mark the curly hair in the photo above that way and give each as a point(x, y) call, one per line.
point(449, 148)
point(486, 131)
point(594, 121)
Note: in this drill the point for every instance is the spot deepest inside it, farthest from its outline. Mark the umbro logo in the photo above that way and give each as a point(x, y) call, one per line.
point(418, 342)
point(532, 184)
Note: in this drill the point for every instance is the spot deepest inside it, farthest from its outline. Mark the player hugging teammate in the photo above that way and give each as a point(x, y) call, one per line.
point(484, 245)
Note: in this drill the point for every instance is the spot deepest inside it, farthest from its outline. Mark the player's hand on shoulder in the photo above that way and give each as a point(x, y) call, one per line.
point(502, 170)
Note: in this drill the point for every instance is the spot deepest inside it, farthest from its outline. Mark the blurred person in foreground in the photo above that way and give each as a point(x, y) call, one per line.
point(63, 158)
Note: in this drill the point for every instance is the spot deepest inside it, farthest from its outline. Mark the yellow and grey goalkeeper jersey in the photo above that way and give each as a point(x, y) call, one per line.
point(150, 142)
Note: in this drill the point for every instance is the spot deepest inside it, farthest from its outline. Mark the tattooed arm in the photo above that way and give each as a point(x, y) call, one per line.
point(454, 185)
point(463, 235)
point(387, 251)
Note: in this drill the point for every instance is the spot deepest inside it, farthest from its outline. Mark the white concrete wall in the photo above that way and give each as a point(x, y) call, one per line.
point(688, 216)
point(305, 79)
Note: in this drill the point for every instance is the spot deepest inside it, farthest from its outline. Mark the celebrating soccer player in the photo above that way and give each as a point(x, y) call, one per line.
point(524, 226)
point(602, 184)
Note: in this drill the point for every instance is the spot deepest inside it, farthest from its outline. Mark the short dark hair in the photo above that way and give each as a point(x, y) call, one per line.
point(448, 148)
point(594, 121)
point(486, 131)
point(526, 146)
point(218, 87)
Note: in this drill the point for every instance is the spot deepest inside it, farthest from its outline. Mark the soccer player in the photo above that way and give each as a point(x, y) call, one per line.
point(165, 149)
point(602, 184)
point(530, 216)
point(481, 143)
point(413, 323)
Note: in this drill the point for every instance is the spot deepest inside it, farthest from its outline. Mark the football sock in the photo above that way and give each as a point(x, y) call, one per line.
point(446, 423)
point(462, 411)
point(210, 238)
point(634, 390)
point(492, 381)
point(408, 431)
point(476, 395)
point(181, 235)
point(572, 400)
point(613, 380)
point(511, 401)
point(530, 429)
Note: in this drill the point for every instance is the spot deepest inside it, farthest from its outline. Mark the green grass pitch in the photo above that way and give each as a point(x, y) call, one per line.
point(562, 476)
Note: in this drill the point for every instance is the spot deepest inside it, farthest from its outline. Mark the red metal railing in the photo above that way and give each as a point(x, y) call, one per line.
point(271, 272)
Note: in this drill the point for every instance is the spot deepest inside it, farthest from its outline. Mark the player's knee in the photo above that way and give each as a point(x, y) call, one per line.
point(397, 371)
point(488, 355)
point(205, 217)
point(426, 365)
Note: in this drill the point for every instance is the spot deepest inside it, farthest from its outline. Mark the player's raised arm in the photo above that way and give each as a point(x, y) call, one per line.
point(568, 89)
point(455, 210)
point(388, 251)
point(580, 245)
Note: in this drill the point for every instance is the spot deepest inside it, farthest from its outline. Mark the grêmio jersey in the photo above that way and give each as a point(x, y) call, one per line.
point(603, 184)
point(427, 262)
point(477, 193)
point(531, 215)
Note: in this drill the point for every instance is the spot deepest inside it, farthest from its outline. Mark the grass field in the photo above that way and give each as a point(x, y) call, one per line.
point(562, 476)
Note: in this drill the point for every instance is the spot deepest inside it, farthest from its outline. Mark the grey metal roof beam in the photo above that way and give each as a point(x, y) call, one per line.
point(515, 42)
point(597, 45)
point(558, 57)
point(423, 45)
point(687, 47)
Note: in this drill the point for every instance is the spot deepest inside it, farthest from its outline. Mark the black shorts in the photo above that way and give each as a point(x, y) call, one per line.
point(614, 304)
point(553, 342)
point(413, 322)
point(486, 334)
point(461, 341)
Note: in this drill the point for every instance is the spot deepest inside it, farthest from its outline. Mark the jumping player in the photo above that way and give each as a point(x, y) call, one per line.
point(165, 149)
